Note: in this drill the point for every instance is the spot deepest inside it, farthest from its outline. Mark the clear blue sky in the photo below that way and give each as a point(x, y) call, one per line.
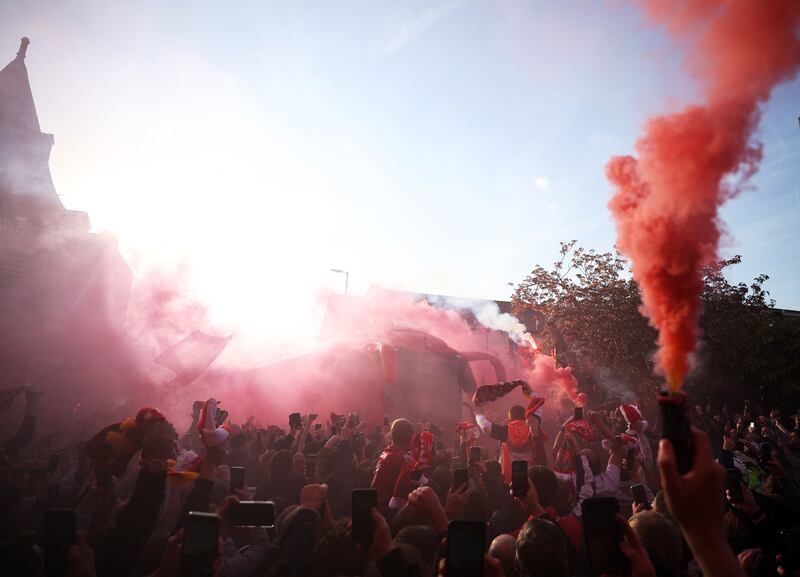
point(442, 146)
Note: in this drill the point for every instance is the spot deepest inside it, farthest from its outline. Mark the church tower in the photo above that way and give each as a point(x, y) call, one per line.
point(26, 186)
point(63, 289)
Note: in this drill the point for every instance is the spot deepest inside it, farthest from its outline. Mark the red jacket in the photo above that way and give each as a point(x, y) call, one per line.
point(387, 471)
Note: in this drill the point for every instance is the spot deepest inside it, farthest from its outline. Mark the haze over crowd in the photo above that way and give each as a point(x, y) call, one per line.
point(255, 149)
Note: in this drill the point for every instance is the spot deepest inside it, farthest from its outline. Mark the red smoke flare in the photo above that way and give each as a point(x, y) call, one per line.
point(666, 203)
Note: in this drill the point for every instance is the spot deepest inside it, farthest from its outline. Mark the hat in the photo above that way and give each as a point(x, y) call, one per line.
point(582, 428)
point(632, 415)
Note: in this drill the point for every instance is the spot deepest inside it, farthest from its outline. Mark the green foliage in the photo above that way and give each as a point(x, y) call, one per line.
point(592, 304)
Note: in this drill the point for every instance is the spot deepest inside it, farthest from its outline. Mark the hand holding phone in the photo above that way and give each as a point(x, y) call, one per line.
point(474, 455)
point(200, 540)
point(295, 421)
point(237, 479)
point(519, 479)
point(733, 484)
point(639, 495)
point(460, 477)
point(253, 514)
point(466, 544)
point(362, 503)
point(603, 535)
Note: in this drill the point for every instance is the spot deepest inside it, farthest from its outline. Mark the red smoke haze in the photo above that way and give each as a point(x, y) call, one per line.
point(666, 202)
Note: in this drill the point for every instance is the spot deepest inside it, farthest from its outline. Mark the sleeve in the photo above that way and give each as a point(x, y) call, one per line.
point(586, 490)
point(495, 431)
point(134, 524)
point(384, 481)
point(252, 560)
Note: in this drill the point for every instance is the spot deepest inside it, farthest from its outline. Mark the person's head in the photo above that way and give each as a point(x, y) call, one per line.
point(546, 484)
point(422, 538)
point(662, 539)
point(504, 549)
point(794, 441)
point(281, 463)
point(238, 441)
point(516, 413)
point(493, 468)
point(660, 503)
point(299, 464)
point(337, 554)
point(542, 550)
point(402, 431)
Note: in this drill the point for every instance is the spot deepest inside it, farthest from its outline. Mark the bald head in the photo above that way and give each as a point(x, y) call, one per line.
point(504, 549)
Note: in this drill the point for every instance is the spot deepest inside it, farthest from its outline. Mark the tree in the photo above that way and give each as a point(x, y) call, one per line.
point(592, 305)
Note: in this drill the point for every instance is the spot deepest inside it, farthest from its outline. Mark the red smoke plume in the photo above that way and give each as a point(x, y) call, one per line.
point(667, 201)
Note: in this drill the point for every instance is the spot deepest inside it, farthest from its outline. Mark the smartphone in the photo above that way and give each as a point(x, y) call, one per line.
point(52, 465)
point(460, 477)
point(733, 483)
point(386, 420)
point(790, 553)
point(764, 454)
point(466, 544)
point(199, 547)
point(474, 455)
point(603, 535)
point(519, 478)
point(59, 536)
point(639, 495)
point(222, 416)
point(362, 502)
point(253, 514)
point(295, 422)
point(237, 478)
point(578, 414)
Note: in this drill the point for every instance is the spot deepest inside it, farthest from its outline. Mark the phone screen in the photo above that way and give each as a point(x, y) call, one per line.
point(474, 455)
point(790, 555)
point(603, 535)
point(295, 422)
point(237, 478)
point(460, 477)
point(466, 542)
point(363, 500)
point(59, 536)
point(639, 495)
point(519, 478)
point(254, 514)
point(578, 413)
point(733, 483)
point(199, 542)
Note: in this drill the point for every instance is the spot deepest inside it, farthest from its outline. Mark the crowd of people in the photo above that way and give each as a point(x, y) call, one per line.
point(123, 501)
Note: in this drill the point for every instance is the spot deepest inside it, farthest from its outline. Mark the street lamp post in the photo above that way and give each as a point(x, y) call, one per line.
point(346, 277)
